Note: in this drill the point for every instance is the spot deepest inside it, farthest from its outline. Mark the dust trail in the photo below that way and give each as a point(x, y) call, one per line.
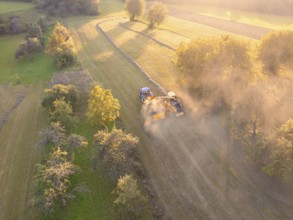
point(207, 175)
point(193, 155)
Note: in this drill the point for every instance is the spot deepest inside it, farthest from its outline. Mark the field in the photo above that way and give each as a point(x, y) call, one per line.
point(7, 6)
point(20, 126)
point(274, 22)
point(19, 151)
point(189, 165)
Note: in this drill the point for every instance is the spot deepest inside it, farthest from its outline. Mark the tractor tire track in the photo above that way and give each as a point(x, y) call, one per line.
point(148, 36)
point(6, 115)
point(130, 60)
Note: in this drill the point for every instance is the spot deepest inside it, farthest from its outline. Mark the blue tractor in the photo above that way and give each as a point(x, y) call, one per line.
point(145, 93)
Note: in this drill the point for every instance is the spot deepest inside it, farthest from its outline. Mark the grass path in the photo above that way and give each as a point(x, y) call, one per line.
point(18, 154)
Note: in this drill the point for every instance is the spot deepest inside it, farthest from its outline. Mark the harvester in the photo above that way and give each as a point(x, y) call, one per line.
point(157, 108)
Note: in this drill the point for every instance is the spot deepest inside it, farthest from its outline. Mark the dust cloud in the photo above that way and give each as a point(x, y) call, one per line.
point(206, 174)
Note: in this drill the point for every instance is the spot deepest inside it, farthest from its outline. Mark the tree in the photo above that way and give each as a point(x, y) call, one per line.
point(157, 14)
point(134, 8)
point(43, 23)
point(216, 70)
point(62, 112)
point(52, 181)
point(276, 51)
point(58, 91)
point(30, 46)
point(280, 162)
point(115, 151)
point(62, 7)
point(54, 134)
point(103, 108)
point(14, 26)
point(34, 31)
point(74, 141)
point(60, 46)
point(130, 200)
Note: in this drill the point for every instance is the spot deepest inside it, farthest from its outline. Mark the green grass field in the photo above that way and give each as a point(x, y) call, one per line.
point(11, 6)
point(40, 68)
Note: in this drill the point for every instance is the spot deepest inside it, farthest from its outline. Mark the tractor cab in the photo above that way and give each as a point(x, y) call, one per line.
point(144, 93)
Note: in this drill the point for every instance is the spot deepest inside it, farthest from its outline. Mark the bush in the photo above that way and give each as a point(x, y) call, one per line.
point(59, 91)
point(28, 48)
point(62, 113)
point(65, 58)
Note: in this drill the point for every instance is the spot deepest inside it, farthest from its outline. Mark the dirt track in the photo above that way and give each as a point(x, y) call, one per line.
point(233, 27)
point(188, 160)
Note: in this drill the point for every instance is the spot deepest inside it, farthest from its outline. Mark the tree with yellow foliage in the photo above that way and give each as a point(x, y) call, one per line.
point(60, 46)
point(103, 108)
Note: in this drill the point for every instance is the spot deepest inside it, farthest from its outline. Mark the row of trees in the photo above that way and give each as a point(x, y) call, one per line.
point(229, 75)
point(65, 7)
point(60, 100)
point(115, 155)
point(52, 180)
point(156, 14)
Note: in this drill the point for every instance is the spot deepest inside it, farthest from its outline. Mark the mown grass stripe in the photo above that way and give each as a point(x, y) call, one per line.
point(130, 60)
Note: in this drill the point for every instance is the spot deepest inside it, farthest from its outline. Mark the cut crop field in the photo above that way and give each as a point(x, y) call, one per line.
point(274, 22)
point(196, 175)
point(187, 162)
